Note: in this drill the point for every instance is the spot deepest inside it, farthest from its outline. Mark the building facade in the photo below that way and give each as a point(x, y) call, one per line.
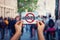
point(58, 10)
point(46, 7)
point(8, 8)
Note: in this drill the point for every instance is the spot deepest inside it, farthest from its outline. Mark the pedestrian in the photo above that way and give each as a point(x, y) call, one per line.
point(57, 26)
point(33, 28)
point(51, 29)
point(2, 28)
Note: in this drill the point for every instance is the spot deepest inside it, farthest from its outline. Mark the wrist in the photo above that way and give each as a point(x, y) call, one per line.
point(18, 32)
point(40, 31)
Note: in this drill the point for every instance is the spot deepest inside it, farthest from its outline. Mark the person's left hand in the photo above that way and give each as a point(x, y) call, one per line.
point(18, 26)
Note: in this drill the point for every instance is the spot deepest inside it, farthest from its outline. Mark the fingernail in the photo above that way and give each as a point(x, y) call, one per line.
point(43, 21)
point(40, 23)
point(19, 23)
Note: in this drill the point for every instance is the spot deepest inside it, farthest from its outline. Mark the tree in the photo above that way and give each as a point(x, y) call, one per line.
point(30, 5)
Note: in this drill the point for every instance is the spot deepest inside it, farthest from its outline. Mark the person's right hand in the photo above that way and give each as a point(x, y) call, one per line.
point(41, 26)
point(18, 26)
point(40, 29)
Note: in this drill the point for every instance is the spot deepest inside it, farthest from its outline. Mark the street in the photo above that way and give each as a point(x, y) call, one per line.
point(25, 36)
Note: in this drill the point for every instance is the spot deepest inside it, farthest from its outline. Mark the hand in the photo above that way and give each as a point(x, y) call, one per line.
point(18, 26)
point(41, 26)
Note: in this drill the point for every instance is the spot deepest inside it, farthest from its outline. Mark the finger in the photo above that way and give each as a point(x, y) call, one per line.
point(41, 23)
point(38, 24)
point(21, 24)
point(18, 22)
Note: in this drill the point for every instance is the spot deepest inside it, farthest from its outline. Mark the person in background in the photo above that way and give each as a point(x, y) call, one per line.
point(5, 25)
point(18, 28)
point(32, 30)
point(17, 18)
point(57, 26)
point(51, 29)
point(46, 25)
point(13, 22)
point(11, 26)
point(2, 28)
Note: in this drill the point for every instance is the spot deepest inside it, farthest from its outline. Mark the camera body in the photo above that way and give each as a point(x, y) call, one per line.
point(30, 17)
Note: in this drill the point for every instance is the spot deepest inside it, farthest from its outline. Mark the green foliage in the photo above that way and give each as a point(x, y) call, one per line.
point(30, 5)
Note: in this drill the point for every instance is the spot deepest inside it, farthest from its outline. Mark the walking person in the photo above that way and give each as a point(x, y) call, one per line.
point(57, 26)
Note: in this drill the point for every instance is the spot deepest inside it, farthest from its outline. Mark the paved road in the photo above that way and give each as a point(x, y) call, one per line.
point(25, 36)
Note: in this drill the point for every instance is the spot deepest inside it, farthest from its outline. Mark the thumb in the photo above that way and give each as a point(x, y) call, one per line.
point(21, 24)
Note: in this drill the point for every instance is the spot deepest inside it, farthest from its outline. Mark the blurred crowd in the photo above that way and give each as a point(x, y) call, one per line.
point(49, 31)
point(8, 23)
